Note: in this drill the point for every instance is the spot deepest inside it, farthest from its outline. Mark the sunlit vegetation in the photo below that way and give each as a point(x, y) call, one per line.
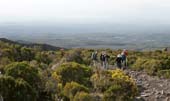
point(33, 74)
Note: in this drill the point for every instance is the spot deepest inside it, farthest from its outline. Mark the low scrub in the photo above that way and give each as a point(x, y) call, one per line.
point(72, 88)
point(72, 71)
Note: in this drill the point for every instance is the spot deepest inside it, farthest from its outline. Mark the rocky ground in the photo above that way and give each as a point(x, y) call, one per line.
point(151, 88)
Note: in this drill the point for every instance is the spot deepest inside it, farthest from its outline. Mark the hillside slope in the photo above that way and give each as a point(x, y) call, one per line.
point(44, 47)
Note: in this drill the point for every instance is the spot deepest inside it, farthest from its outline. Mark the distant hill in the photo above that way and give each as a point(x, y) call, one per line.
point(44, 47)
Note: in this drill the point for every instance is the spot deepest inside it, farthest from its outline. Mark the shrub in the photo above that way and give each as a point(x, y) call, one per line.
point(16, 90)
point(164, 73)
point(115, 83)
point(165, 63)
point(114, 93)
point(149, 65)
point(43, 57)
point(72, 88)
point(101, 80)
point(152, 66)
point(74, 56)
point(83, 96)
point(72, 71)
point(138, 65)
point(24, 71)
point(127, 83)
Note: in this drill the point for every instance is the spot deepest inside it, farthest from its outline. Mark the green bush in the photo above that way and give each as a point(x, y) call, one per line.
point(101, 80)
point(122, 87)
point(128, 86)
point(165, 63)
point(43, 57)
point(112, 80)
point(114, 93)
point(72, 71)
point(164, 73)
point(151, 66)
point(83, 96)
point(16, 90)
point(138, 65)
point(74, 56)
point(24, 71)
point(72, 88)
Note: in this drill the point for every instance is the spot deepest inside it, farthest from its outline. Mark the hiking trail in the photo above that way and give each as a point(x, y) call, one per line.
point(151, 88)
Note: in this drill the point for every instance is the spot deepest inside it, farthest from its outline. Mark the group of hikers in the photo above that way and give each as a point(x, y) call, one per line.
point(121, 59)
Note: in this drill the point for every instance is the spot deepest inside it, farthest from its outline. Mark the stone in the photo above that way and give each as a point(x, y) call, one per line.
point(162, 92)
point(147, 85)
point(168, 93)
point(138, 97)
point(167, 99)
point(145, 95)
point(161, 85)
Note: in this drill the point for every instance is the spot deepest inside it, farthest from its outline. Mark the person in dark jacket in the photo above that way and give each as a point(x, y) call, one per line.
point(119, 61)
point(124, 58)
point(104, 60)
point(94, 58)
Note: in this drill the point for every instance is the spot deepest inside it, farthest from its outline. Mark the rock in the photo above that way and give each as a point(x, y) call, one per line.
point(147, 85)
point(157, 96)
point(161, 85)
point(145, 95)
point(167, 99)
point(162, 92)
point(138, 97)
point(157, 92)
point(151, 88)
point(168, 93)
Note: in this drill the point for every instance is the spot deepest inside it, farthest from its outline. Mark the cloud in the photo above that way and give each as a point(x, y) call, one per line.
point(116, 11)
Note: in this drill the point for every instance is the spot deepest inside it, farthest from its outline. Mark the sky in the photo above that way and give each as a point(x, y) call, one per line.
point(149, 12)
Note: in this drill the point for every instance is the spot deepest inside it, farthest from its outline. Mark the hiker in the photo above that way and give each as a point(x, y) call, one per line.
point(62, 52)
point(104, 59)
point(94, 58)
point(124, 58)
point(119, 61)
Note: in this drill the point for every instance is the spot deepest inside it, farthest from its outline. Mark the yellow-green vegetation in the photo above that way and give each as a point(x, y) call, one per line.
point(83, 96)
point(72, 88)
point(73, 71)
point(34, 74)
point(124, 87)
point(164, 73)
point(116, 85)
point(16, 89)
point(153, 62)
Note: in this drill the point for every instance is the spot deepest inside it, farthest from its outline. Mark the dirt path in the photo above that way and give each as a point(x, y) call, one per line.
point(151, 88)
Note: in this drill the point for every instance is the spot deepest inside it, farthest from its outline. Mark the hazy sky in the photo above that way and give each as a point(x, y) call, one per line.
point(86, 11)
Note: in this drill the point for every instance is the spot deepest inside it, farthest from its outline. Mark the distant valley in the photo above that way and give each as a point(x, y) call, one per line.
point(112, 36)
point(96, 40)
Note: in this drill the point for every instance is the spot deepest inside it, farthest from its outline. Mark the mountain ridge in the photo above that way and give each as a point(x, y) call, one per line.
point(45, 47)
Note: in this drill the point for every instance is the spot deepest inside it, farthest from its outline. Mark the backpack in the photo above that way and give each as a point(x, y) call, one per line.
point(102, 58)
point(94, 56)
point(123, 57)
